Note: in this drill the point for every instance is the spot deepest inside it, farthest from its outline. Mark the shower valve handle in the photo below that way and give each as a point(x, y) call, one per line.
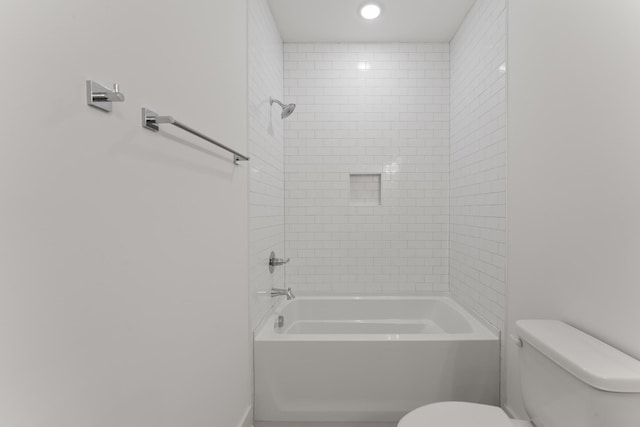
point(274, 262)
point(278, 261)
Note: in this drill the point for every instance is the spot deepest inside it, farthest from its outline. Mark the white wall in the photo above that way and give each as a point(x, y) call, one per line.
point(266, 146)
point(123, 253)
point(372, 109)
point(478, 161)
point(573, 205)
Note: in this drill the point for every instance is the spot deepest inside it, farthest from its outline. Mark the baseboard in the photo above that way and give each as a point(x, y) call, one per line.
point(247, 419)
point(321, 424)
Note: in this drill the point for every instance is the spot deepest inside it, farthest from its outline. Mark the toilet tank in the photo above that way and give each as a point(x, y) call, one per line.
point(571, 379)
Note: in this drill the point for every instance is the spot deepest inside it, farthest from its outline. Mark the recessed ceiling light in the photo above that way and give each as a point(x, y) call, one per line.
point(370, 11)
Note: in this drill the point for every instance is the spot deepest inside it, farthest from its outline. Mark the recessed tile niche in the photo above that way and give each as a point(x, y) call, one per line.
point(364, 189)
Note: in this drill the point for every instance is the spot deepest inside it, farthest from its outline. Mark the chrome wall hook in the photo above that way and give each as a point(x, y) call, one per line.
point(101, 97)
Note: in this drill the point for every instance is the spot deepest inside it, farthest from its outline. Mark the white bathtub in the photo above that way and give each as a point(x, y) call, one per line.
point(370, 359)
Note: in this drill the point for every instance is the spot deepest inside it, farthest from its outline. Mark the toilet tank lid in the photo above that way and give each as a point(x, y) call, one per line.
point(587, 358)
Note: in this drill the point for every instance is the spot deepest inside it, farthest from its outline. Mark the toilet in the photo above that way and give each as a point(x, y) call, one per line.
point(568, 379)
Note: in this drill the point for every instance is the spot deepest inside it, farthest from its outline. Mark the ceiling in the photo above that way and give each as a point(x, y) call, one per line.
point(340, 21)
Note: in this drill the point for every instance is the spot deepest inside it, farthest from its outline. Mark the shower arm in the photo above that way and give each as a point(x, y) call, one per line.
point(272, 100)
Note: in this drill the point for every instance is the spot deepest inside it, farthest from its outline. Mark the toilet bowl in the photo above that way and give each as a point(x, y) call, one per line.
point(459, 414)
point(568, 379)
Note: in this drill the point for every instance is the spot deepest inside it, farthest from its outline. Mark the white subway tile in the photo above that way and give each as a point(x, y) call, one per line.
point(266, 168)
point(478, 157)
point(356, 121)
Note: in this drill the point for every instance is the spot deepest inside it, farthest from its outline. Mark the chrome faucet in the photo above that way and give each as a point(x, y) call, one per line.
point(275, 292)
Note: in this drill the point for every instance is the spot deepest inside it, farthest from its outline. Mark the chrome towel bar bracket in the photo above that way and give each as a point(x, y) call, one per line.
point(151, 120)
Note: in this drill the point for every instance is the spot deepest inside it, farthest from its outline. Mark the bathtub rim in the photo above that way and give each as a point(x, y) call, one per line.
point(482, 330)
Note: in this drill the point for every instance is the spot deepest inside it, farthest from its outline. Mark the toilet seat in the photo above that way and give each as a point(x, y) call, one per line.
point(456, 414)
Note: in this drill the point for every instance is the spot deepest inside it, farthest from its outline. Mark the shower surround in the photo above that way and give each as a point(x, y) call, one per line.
point(367, 109)
point(372, 186)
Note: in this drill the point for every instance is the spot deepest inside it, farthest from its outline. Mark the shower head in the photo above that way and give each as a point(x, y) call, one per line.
point(286, 109)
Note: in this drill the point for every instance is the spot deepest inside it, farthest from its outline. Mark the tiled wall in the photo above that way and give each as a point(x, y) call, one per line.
point(266, 168)
point(478, 161)
point(381, 109)
point(367, 109)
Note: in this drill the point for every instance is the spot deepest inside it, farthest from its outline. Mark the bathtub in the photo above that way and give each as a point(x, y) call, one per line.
point(370, 359)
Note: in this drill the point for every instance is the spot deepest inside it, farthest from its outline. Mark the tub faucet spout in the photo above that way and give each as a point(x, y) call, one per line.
point(275, 292)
